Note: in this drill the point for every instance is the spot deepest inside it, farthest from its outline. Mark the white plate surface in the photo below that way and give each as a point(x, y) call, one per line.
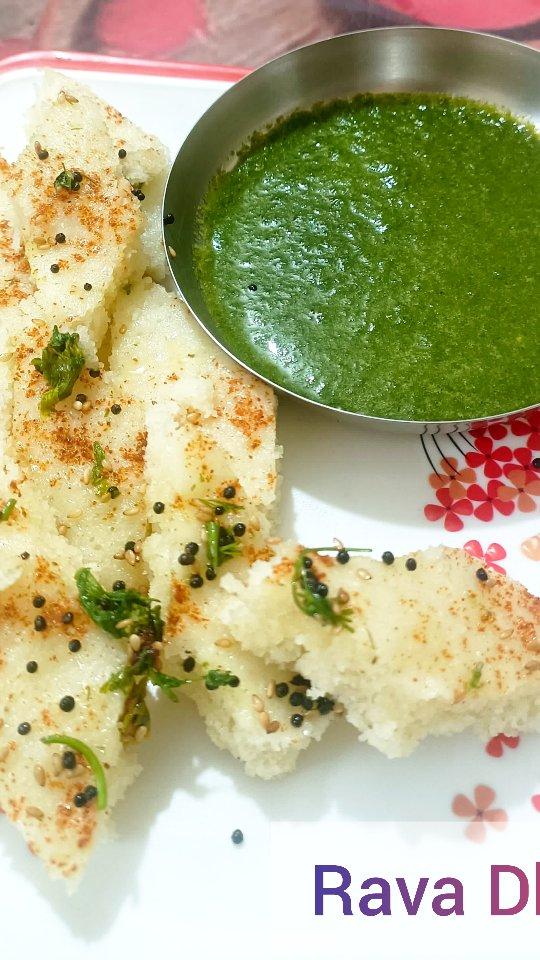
point(173, 883)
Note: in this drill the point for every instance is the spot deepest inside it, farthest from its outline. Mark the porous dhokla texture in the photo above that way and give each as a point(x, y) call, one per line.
point(71, 131)
point(15, 289)
point(209, 426)
point(433, 650)
point(36, 792)
point(56, 455)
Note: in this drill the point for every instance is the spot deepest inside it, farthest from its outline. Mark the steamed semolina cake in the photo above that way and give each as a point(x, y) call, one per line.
point(53, 661)
point(211, 443)
point(80, 204)
point(436, 645)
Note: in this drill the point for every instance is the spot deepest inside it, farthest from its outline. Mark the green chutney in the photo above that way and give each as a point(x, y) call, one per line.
point(381, 255)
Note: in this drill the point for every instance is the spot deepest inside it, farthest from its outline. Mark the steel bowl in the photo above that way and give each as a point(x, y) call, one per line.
point(409, 59)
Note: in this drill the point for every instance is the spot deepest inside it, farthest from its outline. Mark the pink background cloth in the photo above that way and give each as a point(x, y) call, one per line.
point(242, 32)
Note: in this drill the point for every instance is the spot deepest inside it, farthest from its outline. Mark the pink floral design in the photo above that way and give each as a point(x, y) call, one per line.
point(495, 746)
point(492, 553)
point(479, 812)
point(452, 510)
point(488, 501)
point(488, 457)
point(521, 489)
point(452, 478)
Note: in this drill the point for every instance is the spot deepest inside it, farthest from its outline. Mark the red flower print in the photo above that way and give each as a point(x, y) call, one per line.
point(488, 501)
point(479, 813)
point(448, 508)
point(494, 552)
point(535, 800)
point(521, 489)
point(488, 457)
point(523, 457)
point(497, 431)
point(528, 426)
point(452, 478)
point(495, 746)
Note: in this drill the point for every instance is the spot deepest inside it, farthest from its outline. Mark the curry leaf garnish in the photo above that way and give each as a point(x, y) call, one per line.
point(68, 180)
point(85, 751)
point(7, 509)
point(135, 612)
point(61, 363)
point(221, 544)
point(97, 474)
point(222, 505)
point(304, 590)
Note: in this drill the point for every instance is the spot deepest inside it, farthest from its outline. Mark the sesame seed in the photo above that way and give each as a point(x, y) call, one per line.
point(224, 643)
point(264, 719)
point(257, 703)
point(31, 666)
point(172, 251)
point(25, 555)
point(271, 689)
point(141, 733)
point(131, 557)
point(363, 574)
point(135, 642)
point(67, 703)
point(131, 511)
point(86, 475)
point(122, 624)
point(273, 726)
point(74, 646)
point(62, 529)
point(35, 812)
point(24, 728)
point(77, 405)
point(39, 775)
point(343, 596)
point(86, 407)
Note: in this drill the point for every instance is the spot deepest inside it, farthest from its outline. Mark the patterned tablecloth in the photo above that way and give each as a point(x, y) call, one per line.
point(244, 32)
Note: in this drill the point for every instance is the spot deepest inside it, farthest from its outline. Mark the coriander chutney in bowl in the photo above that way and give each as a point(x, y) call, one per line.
point(375, 252)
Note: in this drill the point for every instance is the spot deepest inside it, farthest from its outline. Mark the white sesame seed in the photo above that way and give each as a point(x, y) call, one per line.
point(135, 642)
point(138, 547)
point(86, 406)
point(62, 529)
point(264, 719)
point(86, 475)
point(363, 574)
point(35, 812)
point(120, 555)
point(57, 764)
point(257, 703)
point(77, 405)
point(141, 733)
point(343, 596)
point(273, 726)
point(122, 329)
point(271, 689)
point(131, 511)
point(131, 557)
point(124, 624)
point(39, 775)
point(223, 642)
point(172, 251)
point(74, 514)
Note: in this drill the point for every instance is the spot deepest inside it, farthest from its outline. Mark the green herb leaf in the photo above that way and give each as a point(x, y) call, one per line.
point(61, 363)
point(68, 180)
point(109, 608)
point(97, 475)
point(228, 507)
point(166, 682)
point(324, 609)
point(221, 544)
point(476, 677)
point(219, 678)
point(85, 751)
point(7, 509)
